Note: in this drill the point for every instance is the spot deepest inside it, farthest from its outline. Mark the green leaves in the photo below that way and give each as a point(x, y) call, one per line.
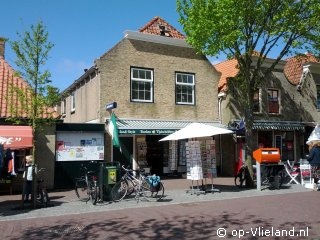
point(214, 26)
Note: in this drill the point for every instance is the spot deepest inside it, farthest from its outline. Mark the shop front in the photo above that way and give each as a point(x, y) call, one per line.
point(15, 143)
point(142, 148)
point(288, 137)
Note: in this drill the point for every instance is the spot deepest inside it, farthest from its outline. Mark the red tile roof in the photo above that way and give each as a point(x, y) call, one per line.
point(227, 69)
point(292, 70)
point(154, 27)
point(10, 106)
point(294, 66)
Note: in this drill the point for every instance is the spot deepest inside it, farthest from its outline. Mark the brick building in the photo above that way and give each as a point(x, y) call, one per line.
point(160, 85)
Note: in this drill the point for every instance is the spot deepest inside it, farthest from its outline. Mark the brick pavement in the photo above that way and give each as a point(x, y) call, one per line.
point(254, 217)
point(66, 203)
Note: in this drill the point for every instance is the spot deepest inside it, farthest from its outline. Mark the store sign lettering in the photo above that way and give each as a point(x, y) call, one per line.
point(9, 140)
point(146, 131)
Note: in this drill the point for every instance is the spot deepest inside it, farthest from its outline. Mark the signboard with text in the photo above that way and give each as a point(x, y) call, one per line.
point(146, 131)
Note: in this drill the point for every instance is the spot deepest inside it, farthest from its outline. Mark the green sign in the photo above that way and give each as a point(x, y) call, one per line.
point(147, 131)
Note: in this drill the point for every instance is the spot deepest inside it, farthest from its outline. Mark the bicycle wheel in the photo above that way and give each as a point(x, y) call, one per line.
point(94, 193)
point(119, 190)
point(152, 193)
point(239, 179)
point(81, 189)
point(131, 187)
point(45, 198)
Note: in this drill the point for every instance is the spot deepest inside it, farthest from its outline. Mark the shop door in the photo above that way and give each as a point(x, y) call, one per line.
point(125, 156)
point(155, 154)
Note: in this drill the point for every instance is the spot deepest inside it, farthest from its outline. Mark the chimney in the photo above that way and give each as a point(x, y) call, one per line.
point(2, 46)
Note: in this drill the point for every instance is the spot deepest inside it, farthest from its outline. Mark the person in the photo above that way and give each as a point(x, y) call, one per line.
point(27, 175)
point(314, 161)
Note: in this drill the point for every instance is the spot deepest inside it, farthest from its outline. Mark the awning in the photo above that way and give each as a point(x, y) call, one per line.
point(267, 126)
point(16, 137)
point(154, 127)
point(278, 125)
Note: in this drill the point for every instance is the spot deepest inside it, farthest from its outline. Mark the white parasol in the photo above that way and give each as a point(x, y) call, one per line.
point(315, 135)
point(195, 130)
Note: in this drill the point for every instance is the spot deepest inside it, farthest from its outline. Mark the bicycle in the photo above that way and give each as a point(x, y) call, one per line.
point(86, 186)
point(42, 194)
point(266, 178)
point(140, 185)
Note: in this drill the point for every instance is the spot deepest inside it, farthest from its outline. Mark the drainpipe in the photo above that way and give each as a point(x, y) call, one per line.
point(221, 96)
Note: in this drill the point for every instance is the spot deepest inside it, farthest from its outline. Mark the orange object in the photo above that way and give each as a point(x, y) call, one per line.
point(267, 155)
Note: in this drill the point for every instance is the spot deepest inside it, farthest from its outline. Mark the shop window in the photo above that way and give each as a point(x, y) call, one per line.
point(287, 147)
point(141, 85)
point(265, 139)
point(185, 85)
point(273, 101)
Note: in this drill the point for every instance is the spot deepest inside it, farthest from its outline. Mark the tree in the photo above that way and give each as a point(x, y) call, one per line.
point(32, 51)
point(248, 30)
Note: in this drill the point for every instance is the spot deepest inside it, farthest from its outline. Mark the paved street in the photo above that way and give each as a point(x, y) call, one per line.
point(270, 214)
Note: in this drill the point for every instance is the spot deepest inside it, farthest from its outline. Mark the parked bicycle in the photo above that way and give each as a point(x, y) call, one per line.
point(140, 184)
point(87, 187)
point(267, 179)
point(42, 194)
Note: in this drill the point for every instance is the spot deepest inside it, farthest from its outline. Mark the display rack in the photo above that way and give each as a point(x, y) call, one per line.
point(201, 165)
point(173, 156)
point(194, 166)
point(142, 153)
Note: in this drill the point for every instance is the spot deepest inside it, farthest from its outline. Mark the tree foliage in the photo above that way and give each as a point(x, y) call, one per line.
point(249, 31)
point(32, 51)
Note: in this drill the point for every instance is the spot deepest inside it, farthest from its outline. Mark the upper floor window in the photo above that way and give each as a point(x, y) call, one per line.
point(63, 106)
point(73, 101)
point(318, 97)
point(141, 85)
point(185, 88)
point(273, 101)
point(257, 101)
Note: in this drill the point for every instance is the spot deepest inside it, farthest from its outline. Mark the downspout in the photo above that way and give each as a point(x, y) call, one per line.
point(221, 96)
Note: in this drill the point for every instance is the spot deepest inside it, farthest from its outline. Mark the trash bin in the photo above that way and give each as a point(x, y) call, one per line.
point(109, 175)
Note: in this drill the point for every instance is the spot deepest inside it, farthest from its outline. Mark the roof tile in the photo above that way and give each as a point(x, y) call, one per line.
point(10, 104)
point(158, 26)
point(294, 66)
point(227, 69)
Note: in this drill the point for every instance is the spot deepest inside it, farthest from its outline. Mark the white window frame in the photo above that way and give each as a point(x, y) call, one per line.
point(260, 100)
point(142, 80)
point(63, 106)
point(73, 101)
point(187, 84)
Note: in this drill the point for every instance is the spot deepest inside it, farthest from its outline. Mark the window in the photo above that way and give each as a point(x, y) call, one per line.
point(273, 101)
point(63, 106)
point(73, 101)
point(318, 97)
point(185, 88)
point(141, 85)
point(257, 101)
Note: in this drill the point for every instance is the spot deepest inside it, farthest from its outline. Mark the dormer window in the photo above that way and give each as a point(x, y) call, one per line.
point(164, 31)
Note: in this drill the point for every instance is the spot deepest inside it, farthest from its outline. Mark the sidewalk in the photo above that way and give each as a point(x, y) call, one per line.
point(66, 202)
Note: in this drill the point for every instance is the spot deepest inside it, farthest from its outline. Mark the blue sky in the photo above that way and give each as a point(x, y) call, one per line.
point(81, 30)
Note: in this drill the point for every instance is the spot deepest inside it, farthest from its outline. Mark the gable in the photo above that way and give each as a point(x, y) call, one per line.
point(294, 67)
point(157, 26)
